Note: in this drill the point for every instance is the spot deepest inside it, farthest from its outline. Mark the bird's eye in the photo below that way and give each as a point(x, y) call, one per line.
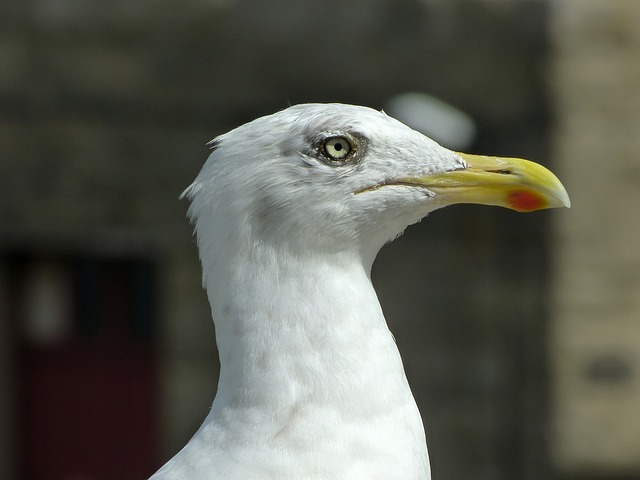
point(337, 148)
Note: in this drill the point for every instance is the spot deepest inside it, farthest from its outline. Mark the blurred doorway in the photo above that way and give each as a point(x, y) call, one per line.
point(87, 381)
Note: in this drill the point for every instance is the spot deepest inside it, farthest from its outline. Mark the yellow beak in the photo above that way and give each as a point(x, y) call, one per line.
point(506, 182)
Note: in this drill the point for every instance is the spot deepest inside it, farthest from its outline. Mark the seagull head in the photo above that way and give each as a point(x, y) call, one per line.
point(344, 177)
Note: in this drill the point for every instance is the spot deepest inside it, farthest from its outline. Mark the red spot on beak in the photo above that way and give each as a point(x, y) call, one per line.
point(525, 201)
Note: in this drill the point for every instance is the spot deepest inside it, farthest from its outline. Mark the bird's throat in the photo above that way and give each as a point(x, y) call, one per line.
point(305, 352)
point(297, 323)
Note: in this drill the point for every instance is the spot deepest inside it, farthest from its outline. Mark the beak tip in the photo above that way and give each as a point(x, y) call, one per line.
point(563, 196)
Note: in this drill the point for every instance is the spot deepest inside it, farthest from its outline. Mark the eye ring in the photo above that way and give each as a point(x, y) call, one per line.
point(337, 149)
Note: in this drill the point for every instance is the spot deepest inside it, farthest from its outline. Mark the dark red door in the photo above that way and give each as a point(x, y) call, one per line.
point(87, 368)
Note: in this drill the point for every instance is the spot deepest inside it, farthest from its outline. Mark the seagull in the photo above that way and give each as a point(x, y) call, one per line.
point(290, 211)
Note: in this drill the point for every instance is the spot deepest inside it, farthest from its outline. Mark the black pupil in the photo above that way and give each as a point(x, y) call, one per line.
point(338, 147)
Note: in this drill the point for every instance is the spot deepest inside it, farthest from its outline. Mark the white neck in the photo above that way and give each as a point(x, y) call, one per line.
point(311, 382)
point(291, 327)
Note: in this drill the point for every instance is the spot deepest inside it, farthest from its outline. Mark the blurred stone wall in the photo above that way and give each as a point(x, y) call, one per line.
point(105, 109)
point(596, 329)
